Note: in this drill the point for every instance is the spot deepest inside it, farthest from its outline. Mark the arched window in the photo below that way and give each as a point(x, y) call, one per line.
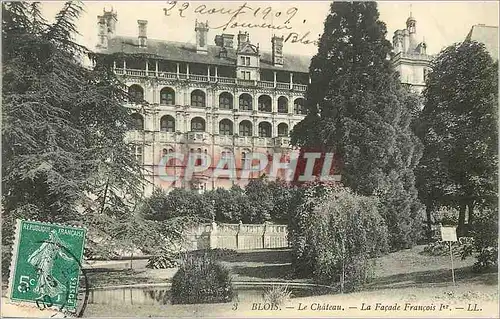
point(225, 127)
point(198, 98)
point(245, 102)
point(167, 96)
point(245, 128)
point(138, 122)
point(299, 106)
point(282, 104)
point(226, 101)
point(136, 93)
point(198, 124)
point(283, 129)
point(167, 124)
point(264, 129)
point(265, 103)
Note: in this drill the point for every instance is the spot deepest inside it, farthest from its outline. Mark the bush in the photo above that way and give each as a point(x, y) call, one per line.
point(302, 205)
point(166, 259)
point(201, 280)
point(277, 294)
point(485, 233)
point(344, 232)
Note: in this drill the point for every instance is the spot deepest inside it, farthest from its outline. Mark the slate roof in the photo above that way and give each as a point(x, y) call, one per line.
point(186, 52)
point(487, 35)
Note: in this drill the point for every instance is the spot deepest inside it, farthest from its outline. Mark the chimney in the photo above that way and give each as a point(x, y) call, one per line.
point(242, 39)
point(102, 35)
point(143, 33)
point(201, 30)
point(228, 40)
point(106, 24)
point(224, 40)
point(277, 47)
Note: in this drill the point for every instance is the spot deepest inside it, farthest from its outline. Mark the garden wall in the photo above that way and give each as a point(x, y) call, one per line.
point(237, 236)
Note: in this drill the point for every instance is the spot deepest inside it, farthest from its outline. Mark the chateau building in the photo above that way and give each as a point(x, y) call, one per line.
point(230, 99)
point(410, 57)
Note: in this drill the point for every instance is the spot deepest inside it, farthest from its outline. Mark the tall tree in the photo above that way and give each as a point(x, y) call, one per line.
point(358, 109)
point(458, 127)
point(65, 158)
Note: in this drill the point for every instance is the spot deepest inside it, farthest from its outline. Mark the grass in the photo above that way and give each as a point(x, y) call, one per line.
point(404, 276)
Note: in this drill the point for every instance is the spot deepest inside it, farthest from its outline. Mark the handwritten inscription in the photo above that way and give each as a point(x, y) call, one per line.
point(238, 17)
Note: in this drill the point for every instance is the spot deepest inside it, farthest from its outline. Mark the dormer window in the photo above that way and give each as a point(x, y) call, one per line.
point(245, 60)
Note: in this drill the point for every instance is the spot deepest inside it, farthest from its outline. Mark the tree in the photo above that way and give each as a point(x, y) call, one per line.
point(458, 127)
point(345, 230)
point(65, 158)
point(358, 110)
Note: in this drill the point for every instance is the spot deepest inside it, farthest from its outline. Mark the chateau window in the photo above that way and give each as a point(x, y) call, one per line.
point(245, 60)
point(226, 101)
point(226, 127)
point(245, 75)
point(244, 159)
point(426, 74)
point(282, 104)
point(198, 160)
point(138, 122)
point(198, 124)
point(138, 153)
point(245, 128)
point(245, 102)
point(264, 129)
point(198, 98)
point(265, 103)
point(283, 129)
point(299, 106)
point(136, 94)
point(167, 124)
point(167, 96)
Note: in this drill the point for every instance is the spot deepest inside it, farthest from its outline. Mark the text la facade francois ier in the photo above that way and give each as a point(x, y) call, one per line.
point(230, 99)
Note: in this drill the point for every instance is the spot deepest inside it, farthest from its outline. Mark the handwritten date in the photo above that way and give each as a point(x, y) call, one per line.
point(237, 13)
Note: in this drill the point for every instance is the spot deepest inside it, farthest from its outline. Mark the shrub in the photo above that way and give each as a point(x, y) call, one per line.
point(201, 280)
point(277, 294)
point(166, 259)
point(302, 204)
point(345, 230)
point(485, 233)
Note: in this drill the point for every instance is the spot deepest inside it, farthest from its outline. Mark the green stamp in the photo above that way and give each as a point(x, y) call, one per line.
point(46, 262)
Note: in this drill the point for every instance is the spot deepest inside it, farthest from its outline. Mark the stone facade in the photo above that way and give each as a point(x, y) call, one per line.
point(227, 99)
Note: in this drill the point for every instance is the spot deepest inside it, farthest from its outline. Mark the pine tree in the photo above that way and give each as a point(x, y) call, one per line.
point(358, 110)
point(65, 158)
point(458, 127)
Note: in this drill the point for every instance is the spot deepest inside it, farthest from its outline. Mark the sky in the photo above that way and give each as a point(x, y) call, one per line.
point(440, 23)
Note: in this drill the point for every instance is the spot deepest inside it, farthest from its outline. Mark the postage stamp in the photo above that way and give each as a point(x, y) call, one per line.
point(45, 268)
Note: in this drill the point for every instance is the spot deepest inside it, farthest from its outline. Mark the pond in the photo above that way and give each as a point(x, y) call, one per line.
point(161, 295)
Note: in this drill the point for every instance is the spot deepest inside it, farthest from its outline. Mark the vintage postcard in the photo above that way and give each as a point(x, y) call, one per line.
point(250, 159)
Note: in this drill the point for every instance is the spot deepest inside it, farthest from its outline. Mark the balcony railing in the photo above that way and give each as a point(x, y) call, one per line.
point(197, 137)
point(282, 141)
point(206, 78)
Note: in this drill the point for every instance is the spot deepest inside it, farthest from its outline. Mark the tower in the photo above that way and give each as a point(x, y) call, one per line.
point(411, 26)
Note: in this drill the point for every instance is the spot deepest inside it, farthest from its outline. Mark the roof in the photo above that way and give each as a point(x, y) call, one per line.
point(488, 35)
point(186, 52)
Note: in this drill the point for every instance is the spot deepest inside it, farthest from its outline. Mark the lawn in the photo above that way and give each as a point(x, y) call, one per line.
point(406, 276)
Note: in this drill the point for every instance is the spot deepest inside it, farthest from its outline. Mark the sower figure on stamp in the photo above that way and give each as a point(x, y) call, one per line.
point(43, 260)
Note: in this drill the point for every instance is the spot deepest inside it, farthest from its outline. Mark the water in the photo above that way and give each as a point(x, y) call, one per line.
point(161, 295)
